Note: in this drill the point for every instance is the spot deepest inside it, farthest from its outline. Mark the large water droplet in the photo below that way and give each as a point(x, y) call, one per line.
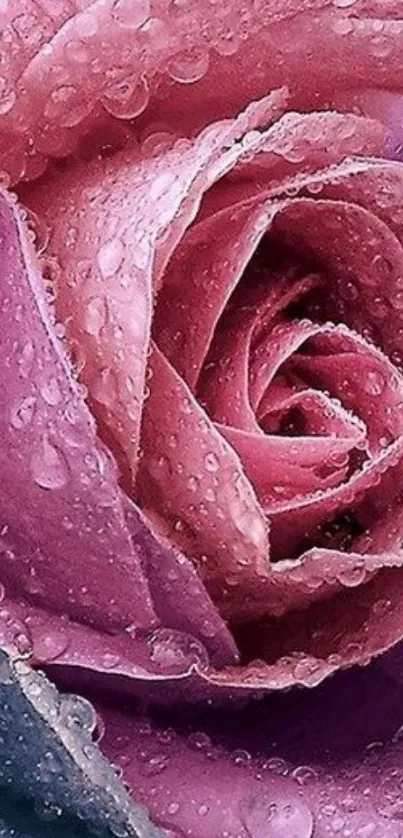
point(130, 15)
point(110, 257)
point(49, 467)
point(266, 815)
point(49, 645)
point(188, 65)
point(22, 413)
point(50, 392)
point(128, 98)
point(374, 383)
point(95, 316)
point(211, 462)
point(77, 712)
point(352, 576)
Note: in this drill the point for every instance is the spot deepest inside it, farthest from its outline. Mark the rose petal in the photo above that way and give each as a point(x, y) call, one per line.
point(103, 280)
point(48, 756)
point(192, 775)
point(327, 760)
point(207, 498)
point(60, 499)
point(49, 54)
point(172, 579)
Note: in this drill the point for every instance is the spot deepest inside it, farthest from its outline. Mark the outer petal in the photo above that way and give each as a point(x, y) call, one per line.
point(64, 541)
point(48, 755)
point(319, 763)
point(70, 556)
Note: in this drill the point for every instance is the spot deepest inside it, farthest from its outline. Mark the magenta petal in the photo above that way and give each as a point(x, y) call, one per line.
point(199, 790)
point(180, 598)
point(320, 763)
point(64, 541)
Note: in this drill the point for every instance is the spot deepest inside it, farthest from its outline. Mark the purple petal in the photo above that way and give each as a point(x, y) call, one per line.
point(323, 763)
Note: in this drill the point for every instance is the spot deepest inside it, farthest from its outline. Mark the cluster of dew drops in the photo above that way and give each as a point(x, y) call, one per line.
point(104, 813)
point(341, 801)
point(150, 40)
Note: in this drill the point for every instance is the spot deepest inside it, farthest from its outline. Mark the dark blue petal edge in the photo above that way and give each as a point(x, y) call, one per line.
point(48, 757)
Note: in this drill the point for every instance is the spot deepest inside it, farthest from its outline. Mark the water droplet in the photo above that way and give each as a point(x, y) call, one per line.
point(23, 643)
point(48, 646)
point(200, 740)
point(128, 98)
point(110, 660)
point(193, 483)
point(241, 758)
point(76, 52)
point(26, 359)
point(304, 774)
point(352, 576)
point(265, 815)
point(344, 4)
point(203, 810)
point(189, 65)
point(227, 43)
point(22, 414)
point(210, 495)
point(95, 316)
point(374, 383)
point(211, 462)
point(381, 46)
point(50, 392)
point(49, 466)
point(110, 257)
point(343, 26)
point(156, 765)
point(8, 97)
point(77, 712)
point(276, 765)
point(381, 606)
point(130, 15)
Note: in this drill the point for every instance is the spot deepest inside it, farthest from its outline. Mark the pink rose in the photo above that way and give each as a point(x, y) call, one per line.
point(201, 313)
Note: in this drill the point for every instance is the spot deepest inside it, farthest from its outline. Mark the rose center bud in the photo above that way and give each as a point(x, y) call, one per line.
point(307, 403)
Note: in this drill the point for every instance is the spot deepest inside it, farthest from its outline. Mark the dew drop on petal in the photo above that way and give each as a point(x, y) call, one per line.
point(22, 413)
point(94, 316)
point(130, 15)
point(76, 52)
point(374, 383)
point(266, 815)
point(48, 646)
point(110, 257)
point(8, 97)
point(127, 99)
point(77, 712)
point(352, 576)
point(49, 467)
point(50, 392)
point(110, 660)
point(304, 774)
point(188, 65)
point(211, 462)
